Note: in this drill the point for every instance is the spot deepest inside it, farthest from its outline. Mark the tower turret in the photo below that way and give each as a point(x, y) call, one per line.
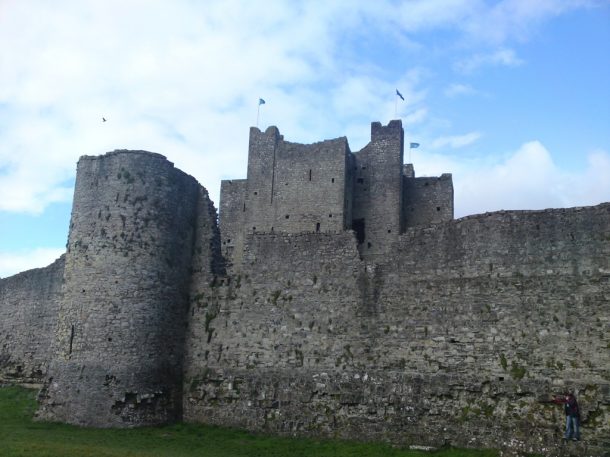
point(118, 351)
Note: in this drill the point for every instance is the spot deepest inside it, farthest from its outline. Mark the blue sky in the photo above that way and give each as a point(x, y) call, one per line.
point(511, 96)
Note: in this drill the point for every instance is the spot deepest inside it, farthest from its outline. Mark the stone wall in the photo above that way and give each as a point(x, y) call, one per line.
point(378, 190)
point(323, 187)
point(309, 191)
point(427, 200)
point(28, 312)
point(459, 334)
point(290, 188)
point(233, 211)
point(459, 337)
point(119, 344)
point(261, 179)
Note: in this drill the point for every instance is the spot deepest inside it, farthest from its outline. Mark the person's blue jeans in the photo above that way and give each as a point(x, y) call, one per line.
point(572, 430)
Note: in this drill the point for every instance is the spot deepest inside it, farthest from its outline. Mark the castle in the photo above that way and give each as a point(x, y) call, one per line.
point(337, 296)
point(324, 187)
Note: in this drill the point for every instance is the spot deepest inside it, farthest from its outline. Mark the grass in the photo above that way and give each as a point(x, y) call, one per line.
point(21, 436)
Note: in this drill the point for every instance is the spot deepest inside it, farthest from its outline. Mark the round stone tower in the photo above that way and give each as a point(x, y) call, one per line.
point(118, 351)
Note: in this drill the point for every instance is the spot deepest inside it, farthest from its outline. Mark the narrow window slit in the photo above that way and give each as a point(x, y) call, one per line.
point(71, 339)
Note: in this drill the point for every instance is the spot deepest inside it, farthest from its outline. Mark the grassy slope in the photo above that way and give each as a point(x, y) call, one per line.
point(20, 436)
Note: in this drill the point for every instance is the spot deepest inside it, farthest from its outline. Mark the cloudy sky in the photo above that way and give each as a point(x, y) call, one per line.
point(511, 96)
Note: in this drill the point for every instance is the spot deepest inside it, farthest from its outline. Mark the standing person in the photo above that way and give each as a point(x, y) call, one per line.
point(570, 406)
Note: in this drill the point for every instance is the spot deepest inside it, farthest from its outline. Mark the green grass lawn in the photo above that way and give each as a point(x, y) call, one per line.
point(21, 436)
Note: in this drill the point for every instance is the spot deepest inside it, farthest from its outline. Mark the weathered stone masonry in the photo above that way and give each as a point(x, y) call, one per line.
point(29, 304)
point(119, 344)
point(443, 331)
point(456, 345)
point(324, 187)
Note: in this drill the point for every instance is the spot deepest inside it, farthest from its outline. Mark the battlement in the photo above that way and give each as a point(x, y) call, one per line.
point(392, 130)
point(324, 187)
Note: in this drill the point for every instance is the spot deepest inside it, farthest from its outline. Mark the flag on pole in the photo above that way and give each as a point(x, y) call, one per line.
point(400, 95)
point(413, 145)
point(258, 109)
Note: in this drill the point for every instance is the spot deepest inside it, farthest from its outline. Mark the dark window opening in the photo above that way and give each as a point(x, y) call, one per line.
point(109, 339)
point(310, 174)
point(368, 245)
point(318, 227)
point(332, 180)
point(229, 240)
point(253, 228)
point(358, 227)
point(255, 193)
point(71, 339)
point(287, 216)
point(389, 231)
point(330, 215)
point(426, 183)
point(272, 229)
point(360, 181)
point(364, 168)
point(438, 208)
point(244, 207)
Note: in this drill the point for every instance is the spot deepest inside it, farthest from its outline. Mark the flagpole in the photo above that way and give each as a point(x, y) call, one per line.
point(412, 146)
point(396, 106)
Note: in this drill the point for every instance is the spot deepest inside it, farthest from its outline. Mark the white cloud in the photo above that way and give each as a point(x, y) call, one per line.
point(415, 117)
point(592, 186)
point(527, 178)
point(508, 20)
point(178, 78)
point(13, 262)
point(501, 57)
point(182, 78)
point(456, 141)
point(456, 90)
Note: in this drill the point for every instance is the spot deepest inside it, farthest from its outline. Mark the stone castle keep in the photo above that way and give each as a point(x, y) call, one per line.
point(323, 187)
point(336, 297)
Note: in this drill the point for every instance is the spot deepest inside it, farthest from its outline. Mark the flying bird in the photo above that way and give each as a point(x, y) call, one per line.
point(103, 119)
